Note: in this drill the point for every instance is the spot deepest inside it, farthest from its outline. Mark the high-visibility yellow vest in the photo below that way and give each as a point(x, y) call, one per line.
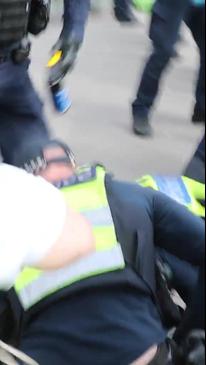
point(89, 197)
point(184, 190)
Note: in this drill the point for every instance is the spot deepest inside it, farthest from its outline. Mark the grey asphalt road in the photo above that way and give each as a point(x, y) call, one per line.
point(98, 126)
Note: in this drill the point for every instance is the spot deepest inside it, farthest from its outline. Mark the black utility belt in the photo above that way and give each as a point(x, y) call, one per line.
point(18, 55)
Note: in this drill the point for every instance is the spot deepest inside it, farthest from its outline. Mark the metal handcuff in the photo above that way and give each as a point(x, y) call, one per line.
point(11, 356)
point(39, 163)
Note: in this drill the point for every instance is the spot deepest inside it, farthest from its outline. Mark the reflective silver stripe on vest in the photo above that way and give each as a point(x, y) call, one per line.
point(99, 217)
point(50, 282)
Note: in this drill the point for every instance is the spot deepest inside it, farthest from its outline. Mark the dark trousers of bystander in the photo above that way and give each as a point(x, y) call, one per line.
point(164, 32)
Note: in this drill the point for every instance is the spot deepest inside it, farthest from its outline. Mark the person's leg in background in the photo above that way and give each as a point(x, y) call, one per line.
point(123, 11)
point(195, 20)
point(164, 32)
point(22, 123)
point(196, 167)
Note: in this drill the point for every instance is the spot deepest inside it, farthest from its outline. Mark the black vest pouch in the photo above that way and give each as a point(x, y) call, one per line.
point(11, 314)
point(170, 312)
point(14, 16)
point(39, 16)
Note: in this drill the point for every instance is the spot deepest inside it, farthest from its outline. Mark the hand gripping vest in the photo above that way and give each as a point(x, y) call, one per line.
point(88, 197)
point(14, 15)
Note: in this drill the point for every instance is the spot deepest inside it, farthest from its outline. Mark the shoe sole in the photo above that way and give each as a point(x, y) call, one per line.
point(149, 133)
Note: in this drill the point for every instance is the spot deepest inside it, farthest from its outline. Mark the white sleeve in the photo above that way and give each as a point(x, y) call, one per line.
point(32, 217)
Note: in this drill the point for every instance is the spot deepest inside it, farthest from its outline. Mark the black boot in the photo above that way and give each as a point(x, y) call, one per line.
point(124, 14)
point(141, 126)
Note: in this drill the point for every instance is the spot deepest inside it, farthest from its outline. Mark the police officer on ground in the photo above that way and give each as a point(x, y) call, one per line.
point(21, 117)
point(164, 32)
point(104, 309)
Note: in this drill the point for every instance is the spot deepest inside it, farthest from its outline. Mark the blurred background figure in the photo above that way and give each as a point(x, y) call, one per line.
point(164, 32)
point(123, 11)
point(195, 19)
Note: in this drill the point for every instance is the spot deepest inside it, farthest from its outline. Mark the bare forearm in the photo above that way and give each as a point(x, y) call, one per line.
point(76, 241)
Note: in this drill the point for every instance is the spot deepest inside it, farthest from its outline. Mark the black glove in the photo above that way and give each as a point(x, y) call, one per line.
point(39, 16)
point(69, 49)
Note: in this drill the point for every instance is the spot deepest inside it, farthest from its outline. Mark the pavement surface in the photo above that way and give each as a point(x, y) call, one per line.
point(102, 86)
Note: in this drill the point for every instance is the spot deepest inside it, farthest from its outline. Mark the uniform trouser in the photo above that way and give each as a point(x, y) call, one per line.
point(22, 124)
point(164, 33)
point(184, 275)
